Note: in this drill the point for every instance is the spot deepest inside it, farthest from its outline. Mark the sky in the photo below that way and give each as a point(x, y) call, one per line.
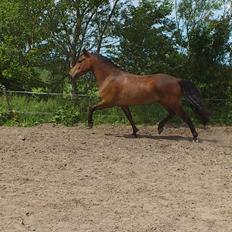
point(227, 6)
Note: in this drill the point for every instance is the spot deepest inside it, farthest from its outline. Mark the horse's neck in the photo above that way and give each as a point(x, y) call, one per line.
point(102, 72)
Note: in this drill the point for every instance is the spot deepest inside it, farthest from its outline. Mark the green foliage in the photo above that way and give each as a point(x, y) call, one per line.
point(21, 44)
point(206, 39)
point(33, 110)
point(67, 114)
point(4, 117)
point(40, 40)
point(146, 38)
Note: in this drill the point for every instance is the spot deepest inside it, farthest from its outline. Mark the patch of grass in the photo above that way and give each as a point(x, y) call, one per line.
point(30, 111)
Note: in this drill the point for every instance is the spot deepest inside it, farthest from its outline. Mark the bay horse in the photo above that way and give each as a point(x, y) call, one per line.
point(123, 89)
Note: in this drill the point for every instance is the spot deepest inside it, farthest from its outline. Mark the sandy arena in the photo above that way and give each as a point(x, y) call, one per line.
point(64, 179)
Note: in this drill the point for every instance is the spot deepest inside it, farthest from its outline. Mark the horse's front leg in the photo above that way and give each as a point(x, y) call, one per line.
point(101, 105)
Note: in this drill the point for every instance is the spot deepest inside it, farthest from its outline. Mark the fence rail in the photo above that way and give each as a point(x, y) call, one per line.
point(46, 104)
point(8, 95)
point(10, 92)
point(43, 93)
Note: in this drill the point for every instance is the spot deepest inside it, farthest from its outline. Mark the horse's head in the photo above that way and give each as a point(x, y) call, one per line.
point(82, 66)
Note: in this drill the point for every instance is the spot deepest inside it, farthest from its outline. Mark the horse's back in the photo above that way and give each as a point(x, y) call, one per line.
point(161, 84)
point(135, 89)
point(167, 84)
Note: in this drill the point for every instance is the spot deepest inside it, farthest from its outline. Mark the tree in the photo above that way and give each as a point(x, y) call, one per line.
point(78, 24)
point(146, 38)
point(21, 44)
point(205, 39)
point(37, 35)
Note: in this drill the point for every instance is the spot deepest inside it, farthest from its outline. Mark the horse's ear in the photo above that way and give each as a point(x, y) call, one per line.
point(85, 52)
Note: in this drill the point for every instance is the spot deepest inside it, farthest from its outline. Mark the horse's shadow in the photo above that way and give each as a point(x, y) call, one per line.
point(161, 137)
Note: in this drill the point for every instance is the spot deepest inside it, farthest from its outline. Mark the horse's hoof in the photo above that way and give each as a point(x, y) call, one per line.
point(160, 130)
point(135, 135)
point(195, 140)
point(90, 125)
point(136, 130)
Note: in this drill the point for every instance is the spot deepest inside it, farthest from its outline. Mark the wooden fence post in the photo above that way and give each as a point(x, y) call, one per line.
point(3, 88)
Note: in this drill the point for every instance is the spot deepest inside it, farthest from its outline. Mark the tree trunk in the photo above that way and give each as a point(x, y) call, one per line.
point(106, 25)
point(74, 89)
point(73, 80)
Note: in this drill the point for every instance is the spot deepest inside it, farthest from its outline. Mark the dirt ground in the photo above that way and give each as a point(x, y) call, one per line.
point(64, 179)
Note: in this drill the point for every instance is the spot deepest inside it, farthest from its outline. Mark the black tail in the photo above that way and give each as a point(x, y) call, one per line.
point(192, 94)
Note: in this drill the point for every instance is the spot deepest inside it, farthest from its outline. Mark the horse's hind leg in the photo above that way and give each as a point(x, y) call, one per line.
point(184, 116)
point(127, 112)
point(162, 123)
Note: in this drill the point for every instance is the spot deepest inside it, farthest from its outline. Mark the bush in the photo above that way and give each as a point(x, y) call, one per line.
point(67, 114)
point(4, 117)
point(34, 110)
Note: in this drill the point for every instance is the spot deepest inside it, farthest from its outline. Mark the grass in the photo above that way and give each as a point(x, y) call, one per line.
point(34, 110)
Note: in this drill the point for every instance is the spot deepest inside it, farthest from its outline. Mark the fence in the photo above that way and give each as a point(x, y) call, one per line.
point(18, 100)
point(33, 108)
point(29, 108)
